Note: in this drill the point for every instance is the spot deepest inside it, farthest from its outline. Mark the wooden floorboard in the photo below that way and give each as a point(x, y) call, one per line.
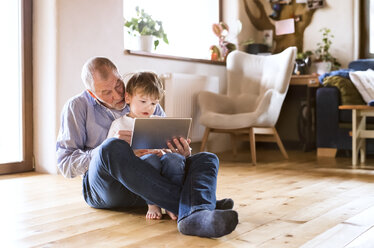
point(300, 202)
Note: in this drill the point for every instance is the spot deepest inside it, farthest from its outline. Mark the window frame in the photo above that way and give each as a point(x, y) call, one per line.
point(179, 58)
point(27, 164)
point(365, 30)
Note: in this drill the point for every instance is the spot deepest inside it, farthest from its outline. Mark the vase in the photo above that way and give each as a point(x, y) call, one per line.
point(146, 43)
point(322, 67)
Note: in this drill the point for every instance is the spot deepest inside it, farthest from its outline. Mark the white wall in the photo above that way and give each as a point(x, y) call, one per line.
point(337, 15)
point(44, 83)
point(68, 32)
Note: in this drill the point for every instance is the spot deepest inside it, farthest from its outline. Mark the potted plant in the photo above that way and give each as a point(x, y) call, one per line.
point(146, 28)
point(325, 62)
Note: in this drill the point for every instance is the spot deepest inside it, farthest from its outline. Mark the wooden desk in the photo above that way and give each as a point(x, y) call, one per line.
point(312, 83)
point(359, 131)
point(310, 80)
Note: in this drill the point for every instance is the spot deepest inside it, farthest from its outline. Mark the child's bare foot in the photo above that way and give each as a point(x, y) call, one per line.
point(154, 212)
point(172, 216)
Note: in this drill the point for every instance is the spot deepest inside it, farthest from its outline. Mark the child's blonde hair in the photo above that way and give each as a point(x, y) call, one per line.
point(148, 83)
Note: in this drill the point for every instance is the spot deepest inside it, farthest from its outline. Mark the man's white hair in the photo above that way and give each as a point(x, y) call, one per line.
point(96, 64)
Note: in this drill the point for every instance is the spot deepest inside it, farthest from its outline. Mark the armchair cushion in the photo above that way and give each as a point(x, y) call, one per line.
point(212, 102)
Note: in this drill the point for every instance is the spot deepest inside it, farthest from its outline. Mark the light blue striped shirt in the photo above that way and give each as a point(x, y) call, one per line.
point(84, 126)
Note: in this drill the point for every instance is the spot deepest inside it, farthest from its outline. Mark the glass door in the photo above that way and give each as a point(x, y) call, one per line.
point(371, 27)
point(16, 86)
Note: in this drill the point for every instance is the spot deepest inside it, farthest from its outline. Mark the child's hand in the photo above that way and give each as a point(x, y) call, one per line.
point(123, 135)
point(141, 152)
point(158, 152)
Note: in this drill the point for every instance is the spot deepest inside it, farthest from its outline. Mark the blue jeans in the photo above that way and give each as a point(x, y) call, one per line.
point(118, 178)
point(170, 165)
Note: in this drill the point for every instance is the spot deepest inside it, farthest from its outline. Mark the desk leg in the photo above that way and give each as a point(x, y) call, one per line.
point(362, 140)
point(310, 119)
point(354, 137)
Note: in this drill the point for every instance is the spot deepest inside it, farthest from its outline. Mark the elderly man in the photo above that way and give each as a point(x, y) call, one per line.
point(113, 176)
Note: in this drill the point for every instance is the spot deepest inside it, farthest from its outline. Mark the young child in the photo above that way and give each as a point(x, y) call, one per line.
point(143, 92)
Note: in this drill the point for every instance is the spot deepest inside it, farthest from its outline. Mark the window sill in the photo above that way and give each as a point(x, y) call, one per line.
point(161, 56)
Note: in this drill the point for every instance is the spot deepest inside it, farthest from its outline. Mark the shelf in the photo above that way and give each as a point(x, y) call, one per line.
point(162, 56)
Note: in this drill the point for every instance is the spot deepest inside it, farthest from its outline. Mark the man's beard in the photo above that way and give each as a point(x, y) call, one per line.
point(120, 107)
point(113, 106)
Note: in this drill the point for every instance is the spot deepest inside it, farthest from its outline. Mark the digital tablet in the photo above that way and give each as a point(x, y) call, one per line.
point(153, 133)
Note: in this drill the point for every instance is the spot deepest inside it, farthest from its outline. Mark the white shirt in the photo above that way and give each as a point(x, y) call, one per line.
point(123, 123)
point(84, 126)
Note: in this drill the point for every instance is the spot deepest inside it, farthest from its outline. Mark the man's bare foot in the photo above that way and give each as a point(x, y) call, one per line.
point(171, 215)
point(154, 212)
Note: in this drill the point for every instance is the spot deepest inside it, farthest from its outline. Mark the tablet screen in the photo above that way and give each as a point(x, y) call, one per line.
point(153, 133)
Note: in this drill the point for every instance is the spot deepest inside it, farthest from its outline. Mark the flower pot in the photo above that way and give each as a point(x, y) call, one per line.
point(146, 43)
point(322, 67)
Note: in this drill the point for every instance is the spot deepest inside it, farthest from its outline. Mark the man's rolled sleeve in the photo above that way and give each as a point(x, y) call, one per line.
point(73, 158)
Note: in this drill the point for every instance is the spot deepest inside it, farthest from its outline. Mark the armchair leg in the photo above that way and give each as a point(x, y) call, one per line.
point(280, 144)
point(205, 139)
point(252, 143)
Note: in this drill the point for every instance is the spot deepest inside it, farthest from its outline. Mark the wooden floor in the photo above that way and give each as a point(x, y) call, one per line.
point(301, 202)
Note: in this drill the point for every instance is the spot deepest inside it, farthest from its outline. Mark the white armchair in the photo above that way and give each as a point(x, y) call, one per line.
point(256, 88)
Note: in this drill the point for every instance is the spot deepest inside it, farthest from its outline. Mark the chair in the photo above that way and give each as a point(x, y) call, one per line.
point(256, 88)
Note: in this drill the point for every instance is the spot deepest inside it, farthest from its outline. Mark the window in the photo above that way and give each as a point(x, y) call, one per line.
point(367, 29)
point(371, 25)
point(16, 98)
point(188, 35)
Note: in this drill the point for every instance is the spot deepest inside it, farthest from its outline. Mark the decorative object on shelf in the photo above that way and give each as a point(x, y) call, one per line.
point(276, 11)
point(322, 67)
point(144, 25)
point(268, 38)
point(324, 61)
point(255, 10)
point(302, 63)
point(215, 53)
point(257, 48)
point(285, 26)
point(280, 1)
point(146, 43)
point(247, 42)
point(220, 52)
point(315, 4)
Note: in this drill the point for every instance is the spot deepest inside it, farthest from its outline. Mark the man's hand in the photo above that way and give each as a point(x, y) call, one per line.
point(182, 146)
point(124, 135)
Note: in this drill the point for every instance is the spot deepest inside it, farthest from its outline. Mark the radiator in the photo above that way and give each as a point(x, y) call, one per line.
point(180, 98)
